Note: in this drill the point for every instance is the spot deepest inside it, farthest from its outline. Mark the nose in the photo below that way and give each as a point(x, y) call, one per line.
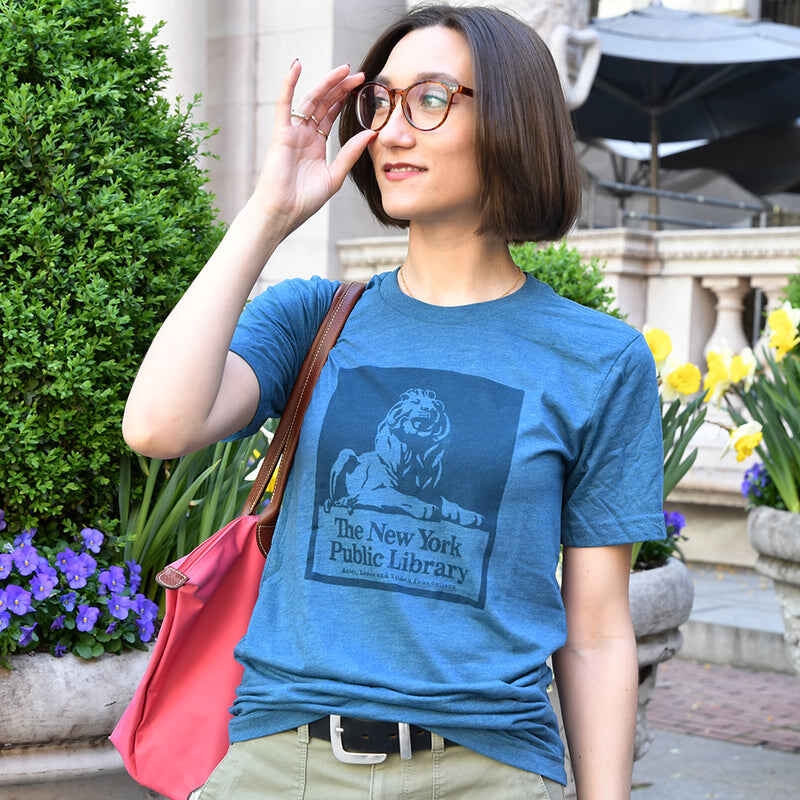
point(397, 128)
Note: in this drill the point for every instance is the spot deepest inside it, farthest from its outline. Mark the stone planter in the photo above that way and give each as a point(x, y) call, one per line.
point(660, 600)
point(55, 719)
point(775, 536)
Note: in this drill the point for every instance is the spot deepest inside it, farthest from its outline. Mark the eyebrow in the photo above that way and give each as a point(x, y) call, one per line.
point(421, 76)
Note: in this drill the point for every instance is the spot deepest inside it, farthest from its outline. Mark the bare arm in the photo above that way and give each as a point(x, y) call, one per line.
point(596, 670)
point(190, 390)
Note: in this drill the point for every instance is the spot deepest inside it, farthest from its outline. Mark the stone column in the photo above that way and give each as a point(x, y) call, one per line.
point(773, 287)
point(729, 291)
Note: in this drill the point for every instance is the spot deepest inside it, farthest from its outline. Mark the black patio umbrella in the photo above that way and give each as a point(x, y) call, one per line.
point(763, 161)
point(668, 75)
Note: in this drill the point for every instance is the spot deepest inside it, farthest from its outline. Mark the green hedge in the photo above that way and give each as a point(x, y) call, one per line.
point(103, 225)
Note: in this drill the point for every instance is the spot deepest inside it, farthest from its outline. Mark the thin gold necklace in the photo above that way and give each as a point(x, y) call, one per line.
point(515, 285)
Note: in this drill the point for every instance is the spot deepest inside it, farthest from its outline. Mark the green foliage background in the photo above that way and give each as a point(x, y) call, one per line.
point(103, 225)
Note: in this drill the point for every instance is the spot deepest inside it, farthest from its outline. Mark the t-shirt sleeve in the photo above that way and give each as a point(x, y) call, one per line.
point(613, 491)
point(273, 335)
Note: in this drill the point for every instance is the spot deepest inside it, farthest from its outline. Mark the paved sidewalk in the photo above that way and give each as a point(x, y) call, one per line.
point(727, 703)
point(683, 767)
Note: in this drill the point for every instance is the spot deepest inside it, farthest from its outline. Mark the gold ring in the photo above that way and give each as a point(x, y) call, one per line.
point(322, 132)
point(316, 121)
point(304, 117)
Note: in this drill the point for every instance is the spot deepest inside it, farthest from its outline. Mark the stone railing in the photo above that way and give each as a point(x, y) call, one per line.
point(693, 285)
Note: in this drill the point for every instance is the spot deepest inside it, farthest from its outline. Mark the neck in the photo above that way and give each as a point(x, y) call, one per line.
point(451, 268)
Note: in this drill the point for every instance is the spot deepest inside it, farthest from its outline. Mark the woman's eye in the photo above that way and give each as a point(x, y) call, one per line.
point(434, 100)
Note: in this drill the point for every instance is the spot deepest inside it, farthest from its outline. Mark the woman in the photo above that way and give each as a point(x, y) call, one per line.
point(468, 422)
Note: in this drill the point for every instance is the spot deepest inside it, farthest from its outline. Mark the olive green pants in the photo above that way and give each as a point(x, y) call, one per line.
point(292, 766)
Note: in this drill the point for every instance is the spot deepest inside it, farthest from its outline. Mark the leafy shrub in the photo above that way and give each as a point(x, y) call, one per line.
point(563, 269)
point(103, 225)
point(792, 293)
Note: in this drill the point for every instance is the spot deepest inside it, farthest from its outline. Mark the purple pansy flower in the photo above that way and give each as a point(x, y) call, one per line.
point(145, 628)
point(111, 627)
point(26, 558)
point(79, 569)
point(59, 650)
point(674, 522)
point(119, 605)
point(6, 562)
point(64, 557)
point(135, 572)
point(3, 523)
point(68, 600)
point(25, 537)
point(58, 622)
point(17, 599)
point(3, 606)
point(112, 579)
point(146, 609)
point(92, 538)
point(5, 620)
point(45, 568)
point(42, 585)
point(25, 635)
point(86, 618)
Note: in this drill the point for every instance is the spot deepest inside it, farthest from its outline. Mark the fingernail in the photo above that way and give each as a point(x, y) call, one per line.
point(293, 63)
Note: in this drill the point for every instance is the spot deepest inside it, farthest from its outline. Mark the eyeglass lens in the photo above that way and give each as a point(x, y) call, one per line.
point(426, 103)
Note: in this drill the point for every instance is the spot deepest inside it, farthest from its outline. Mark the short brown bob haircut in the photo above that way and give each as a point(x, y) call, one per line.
point(530, 183)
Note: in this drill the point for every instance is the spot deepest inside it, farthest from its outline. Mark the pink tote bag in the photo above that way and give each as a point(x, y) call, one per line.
point(174, 732)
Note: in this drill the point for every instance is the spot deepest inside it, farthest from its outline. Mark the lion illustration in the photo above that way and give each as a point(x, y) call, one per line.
point(410, 444)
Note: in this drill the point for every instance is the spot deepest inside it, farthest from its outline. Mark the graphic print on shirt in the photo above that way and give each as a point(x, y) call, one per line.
point(411, 469)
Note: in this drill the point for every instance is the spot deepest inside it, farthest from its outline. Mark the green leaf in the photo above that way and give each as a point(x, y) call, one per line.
point(124, 492)
point(98, 650)
point(83, 650)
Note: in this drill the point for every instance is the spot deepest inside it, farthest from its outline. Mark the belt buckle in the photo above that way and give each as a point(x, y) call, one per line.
point(350, 757)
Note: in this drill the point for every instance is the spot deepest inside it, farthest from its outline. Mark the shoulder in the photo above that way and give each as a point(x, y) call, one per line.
point(307, 293)
point(584, 335)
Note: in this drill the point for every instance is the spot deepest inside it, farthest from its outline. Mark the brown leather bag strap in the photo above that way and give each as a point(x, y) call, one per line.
point(284, 442)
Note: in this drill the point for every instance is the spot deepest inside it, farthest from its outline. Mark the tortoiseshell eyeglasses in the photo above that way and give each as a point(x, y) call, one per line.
point(425, 104)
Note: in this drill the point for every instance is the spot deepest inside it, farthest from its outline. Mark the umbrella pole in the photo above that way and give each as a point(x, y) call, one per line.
point(654, 205)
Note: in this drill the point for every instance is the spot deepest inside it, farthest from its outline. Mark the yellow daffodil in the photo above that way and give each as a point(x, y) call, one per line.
point(744, 440)
point(253, 474)
point(679, 379)
point(743, 367)
point(718, 377)
point(659, 343)
point(782, 329)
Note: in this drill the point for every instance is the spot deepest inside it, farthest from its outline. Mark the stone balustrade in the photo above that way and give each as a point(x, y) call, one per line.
point(691, 283)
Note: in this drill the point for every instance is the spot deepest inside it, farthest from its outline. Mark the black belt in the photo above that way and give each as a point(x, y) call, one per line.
point(371, 736)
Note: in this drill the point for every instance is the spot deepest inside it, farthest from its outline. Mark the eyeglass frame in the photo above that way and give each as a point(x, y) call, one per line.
point(452, 90)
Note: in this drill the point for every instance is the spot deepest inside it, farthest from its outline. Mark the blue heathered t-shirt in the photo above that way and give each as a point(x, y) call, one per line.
point(446, 454)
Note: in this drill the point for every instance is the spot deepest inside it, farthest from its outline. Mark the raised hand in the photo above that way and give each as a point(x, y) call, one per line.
point(296, 180)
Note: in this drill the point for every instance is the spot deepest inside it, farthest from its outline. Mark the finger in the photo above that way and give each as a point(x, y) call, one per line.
point(312, 99)
point(284, 104)
point(349, 154)
point(337, 95)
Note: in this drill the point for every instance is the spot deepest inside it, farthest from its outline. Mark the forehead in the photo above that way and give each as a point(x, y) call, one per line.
point(433, 52)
